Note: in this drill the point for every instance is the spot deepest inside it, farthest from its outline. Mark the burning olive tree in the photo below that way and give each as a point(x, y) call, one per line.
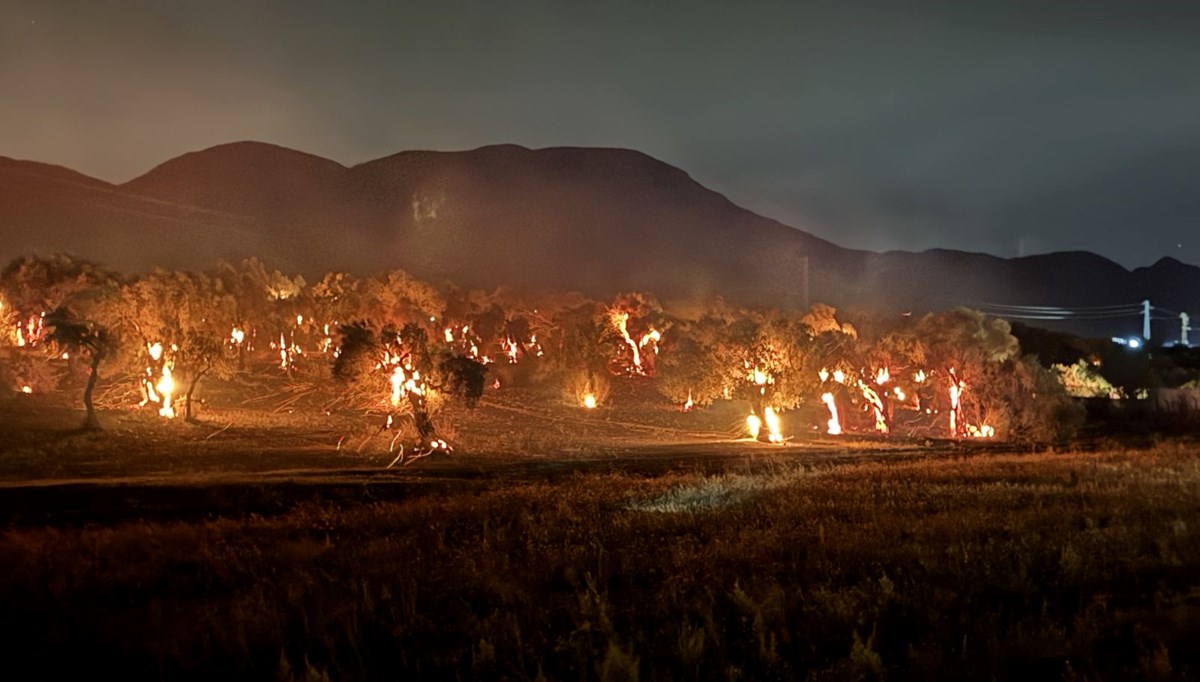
point(700, 362)
point(182, 321)
point(635, 324)
point(264, 309)
point(32, 286)
point(83, 337)
point(577, 354)
point(988, 388)
point(400, 371)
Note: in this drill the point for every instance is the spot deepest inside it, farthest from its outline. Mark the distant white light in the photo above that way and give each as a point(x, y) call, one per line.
point(1135, 342)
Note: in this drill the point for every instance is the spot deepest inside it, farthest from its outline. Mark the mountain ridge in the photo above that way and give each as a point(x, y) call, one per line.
point(598, 220)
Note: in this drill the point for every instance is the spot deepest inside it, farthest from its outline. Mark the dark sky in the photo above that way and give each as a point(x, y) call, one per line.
point(992, 127)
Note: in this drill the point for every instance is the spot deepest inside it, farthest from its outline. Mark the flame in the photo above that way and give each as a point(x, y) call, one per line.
point(589, 401)
point(326, 344)
point(956, 389)
point(984, 431)
point(27, 389)
point(449, 335)
point(753, 425)
point(958, 425)
point(687, 407)
point(919, 376)
point(876, 402)
point(237, 336)
point(839, 376)
point(620, 320)
point(771, 418)
point(882, 376)
point(287, 352)
point(834, 425)
point(511, 348)
point(31, 331)
point(161, 389)
point(397, 381)
point(166, 388)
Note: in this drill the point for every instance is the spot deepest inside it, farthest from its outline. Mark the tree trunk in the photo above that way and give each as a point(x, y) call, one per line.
point(188, 397)
point(90, 422)
point(421, 419)
point(758, 403)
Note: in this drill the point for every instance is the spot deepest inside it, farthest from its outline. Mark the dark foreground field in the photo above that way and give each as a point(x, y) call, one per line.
point(197, 554)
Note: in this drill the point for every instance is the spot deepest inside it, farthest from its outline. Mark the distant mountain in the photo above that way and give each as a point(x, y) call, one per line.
point(595, 220)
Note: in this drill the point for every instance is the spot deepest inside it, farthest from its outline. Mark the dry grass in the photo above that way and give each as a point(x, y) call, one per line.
point(1051, 566)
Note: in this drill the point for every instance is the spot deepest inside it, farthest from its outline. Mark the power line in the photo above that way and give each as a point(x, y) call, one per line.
point(1063, 315)
point(1047, 308)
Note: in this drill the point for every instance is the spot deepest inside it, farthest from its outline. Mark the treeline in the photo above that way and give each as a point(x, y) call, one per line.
point(399, 348)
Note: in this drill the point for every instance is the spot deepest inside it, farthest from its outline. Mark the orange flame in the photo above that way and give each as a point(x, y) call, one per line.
point(620, 320)
point(753, 425)
point(834, 425)
point(159, 389)
point(771, 418)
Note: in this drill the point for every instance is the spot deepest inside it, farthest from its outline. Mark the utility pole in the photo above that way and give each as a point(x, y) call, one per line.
point(1146, 319)
point(1184, 329)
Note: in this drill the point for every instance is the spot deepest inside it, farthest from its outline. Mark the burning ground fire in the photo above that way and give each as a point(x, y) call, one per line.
point(762, 380)
point(158, 385)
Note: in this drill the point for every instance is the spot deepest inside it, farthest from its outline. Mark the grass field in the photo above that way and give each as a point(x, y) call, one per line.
point(610, 546)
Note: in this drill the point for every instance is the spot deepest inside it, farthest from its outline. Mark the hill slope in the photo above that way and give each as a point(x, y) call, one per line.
point(596, 220)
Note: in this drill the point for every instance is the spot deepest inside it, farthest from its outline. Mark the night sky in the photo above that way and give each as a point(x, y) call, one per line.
point(1005, 128)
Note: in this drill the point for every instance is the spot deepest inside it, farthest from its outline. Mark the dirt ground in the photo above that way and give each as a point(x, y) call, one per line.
point(261, 453)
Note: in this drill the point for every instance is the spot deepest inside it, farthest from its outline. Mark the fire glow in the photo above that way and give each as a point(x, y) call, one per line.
point(639, 349)
point(770, 420)
point(158, 384)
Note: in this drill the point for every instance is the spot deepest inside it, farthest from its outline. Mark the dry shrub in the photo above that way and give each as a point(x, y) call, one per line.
point(27, 368)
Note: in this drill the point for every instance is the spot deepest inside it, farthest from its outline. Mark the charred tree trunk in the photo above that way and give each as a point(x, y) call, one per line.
point(421, 419)
point(187, 401)
point(758, 405)
point(91, 422)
